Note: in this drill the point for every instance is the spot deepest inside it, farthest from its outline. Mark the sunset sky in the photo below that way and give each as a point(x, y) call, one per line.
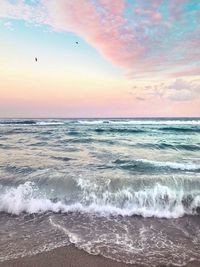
point(134, 58)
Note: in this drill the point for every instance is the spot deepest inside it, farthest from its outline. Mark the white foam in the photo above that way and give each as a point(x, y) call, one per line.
point(159, 201)
point(92, 121)
point(46, 123)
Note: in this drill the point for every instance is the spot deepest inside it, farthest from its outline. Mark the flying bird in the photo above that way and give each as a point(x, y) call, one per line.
point(36, 59)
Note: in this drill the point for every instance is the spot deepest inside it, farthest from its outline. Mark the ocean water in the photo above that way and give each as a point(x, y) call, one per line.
point(128, 189)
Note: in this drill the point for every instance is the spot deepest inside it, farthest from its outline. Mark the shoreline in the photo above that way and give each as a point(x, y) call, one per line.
point(70, 256)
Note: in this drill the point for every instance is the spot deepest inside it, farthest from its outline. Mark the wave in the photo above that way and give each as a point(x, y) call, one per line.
point(17, 122)
point(30, 122)
point(74, 133)
point(84, 140)
point(118, 130)
point(144, 165)
point(142, 121)
point(162, 146)
point(180, 129)
point(158, 201)
point(15, 131)
point(46, 123)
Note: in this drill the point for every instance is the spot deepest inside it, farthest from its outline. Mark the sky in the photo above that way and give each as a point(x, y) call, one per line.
point(99, 58)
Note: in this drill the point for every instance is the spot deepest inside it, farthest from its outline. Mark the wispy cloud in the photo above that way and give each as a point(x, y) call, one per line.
point(178, 90)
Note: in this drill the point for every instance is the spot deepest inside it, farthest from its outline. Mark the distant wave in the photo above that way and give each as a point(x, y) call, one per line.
point(142, 122)
point(158, 201)
point(118, 130)
point(180, 129)
point(131, 130)
point(92, 121)
point(73, 133)
point(30, 122)
point(44, 123)
point(17, 122)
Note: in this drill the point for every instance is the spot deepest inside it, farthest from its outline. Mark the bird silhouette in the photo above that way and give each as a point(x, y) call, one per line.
point(36, 59)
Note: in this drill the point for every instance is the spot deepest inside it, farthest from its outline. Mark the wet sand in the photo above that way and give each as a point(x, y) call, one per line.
point(71, 257)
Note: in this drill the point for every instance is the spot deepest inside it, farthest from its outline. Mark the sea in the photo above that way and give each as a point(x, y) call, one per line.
point(126, 189)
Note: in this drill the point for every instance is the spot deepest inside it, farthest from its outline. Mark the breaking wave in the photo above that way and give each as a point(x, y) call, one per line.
point(157, 201)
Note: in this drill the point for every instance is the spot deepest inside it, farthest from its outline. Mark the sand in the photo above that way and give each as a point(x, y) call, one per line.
point(69, 257)
point(64, 256)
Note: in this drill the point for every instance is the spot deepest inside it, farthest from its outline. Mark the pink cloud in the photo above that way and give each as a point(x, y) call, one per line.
point(106, 29)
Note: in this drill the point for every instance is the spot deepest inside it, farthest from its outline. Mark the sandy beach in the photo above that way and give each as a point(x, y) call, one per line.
point(64, 256)
point(71, 257)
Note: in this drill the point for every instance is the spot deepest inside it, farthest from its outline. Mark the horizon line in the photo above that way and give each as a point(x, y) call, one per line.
point(97, 118)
